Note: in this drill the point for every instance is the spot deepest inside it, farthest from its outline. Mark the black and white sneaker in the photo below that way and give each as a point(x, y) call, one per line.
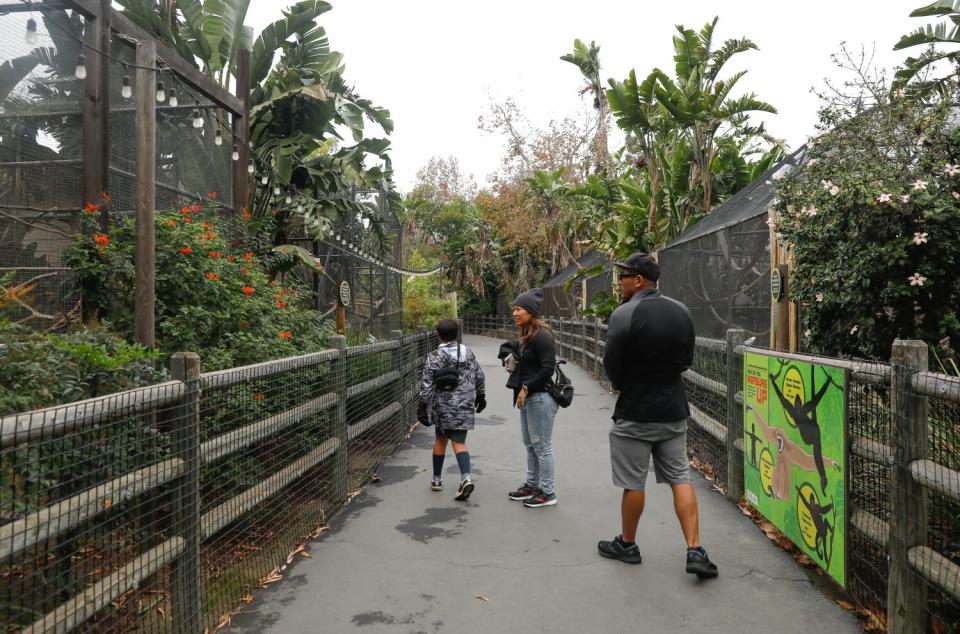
point(541, 499)
point(699, 564)
point(436, 484)
point(616, 549)
point(464, 490)
point(525, 492)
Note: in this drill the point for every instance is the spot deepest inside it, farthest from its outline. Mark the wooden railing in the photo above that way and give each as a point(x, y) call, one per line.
point(903, 535)
point(179, 402)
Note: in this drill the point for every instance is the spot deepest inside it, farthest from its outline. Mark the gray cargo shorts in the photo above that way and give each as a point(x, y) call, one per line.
point(632, 444)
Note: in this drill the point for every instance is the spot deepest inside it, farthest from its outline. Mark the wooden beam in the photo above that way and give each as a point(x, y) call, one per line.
point(97, 596)
point(231, 442)
point(146, 193)
point(18, 429)
point(377, 418)
point(241, 130)
point(708, 424)
point(715, 387)
point(234, 376)
point(50, 521)
point(372, 384)
point(219, 517)
point(937, 477)
point(936, 569)
point(935, 385)
point(872, 450)
point(187, 73)
point(877, 530)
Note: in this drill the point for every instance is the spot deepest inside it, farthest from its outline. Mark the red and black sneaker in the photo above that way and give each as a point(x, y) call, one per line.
point(525, 492)
point(541, 499)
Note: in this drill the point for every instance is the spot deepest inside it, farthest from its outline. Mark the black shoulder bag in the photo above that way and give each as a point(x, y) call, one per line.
point(561, 387)
point(447, 378)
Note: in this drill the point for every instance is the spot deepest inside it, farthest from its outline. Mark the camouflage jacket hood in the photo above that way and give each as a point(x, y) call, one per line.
point(452, 409)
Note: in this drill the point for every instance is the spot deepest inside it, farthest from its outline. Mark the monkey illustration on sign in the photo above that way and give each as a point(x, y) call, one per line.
point(789, 453)
point(821, 523)
point(804, 415)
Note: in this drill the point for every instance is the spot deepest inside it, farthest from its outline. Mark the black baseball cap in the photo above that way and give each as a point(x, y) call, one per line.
point(641, 264)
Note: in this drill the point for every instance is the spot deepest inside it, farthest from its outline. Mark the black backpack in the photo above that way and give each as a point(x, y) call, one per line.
point(561, 387)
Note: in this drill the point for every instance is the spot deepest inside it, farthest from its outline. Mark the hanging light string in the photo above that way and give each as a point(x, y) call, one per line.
point(345, 244)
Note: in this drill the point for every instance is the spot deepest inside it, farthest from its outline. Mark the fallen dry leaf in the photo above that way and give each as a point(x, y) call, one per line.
point(375, 478)
point(482, 598)
point(304, 553)
point(845, 605)
point(248, 598)
point(107, 503)
point(223, 622)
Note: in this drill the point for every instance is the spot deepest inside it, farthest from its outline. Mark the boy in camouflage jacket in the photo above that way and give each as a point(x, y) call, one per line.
point(452, 409)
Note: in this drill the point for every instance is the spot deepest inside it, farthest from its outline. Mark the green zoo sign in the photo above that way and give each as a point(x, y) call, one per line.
point(795, 453)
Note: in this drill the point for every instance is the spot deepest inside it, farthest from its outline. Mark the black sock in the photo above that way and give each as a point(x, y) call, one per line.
point(437, 465)
point(699, 549)
point(463, 461)
point(625, 542)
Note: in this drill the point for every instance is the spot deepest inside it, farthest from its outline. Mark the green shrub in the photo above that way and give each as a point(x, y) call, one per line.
point(423, 305)
point(874, 220)
point(39, 370)
point(214, 293)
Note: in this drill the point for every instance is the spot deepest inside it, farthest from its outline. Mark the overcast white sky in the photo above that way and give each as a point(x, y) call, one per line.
point(436, 63)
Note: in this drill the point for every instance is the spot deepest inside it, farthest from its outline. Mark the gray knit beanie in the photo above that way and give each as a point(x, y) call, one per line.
point(531, 301)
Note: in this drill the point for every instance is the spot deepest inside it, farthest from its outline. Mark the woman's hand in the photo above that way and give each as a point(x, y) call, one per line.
point(522, 397)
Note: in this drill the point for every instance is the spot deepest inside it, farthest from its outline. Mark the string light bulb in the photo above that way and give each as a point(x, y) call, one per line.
point(276, 190)
point(81, 72)
point(250, 167)
point(299, 207)
point(288, 199)
point(31, 35)
point(218, 138)
point(126, 91)
point(174, 102)
point(197, 119)
point(161, 93)
point(236, 153)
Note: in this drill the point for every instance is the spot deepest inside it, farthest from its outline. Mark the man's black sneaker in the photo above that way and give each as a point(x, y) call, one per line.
point(541, 499)
point(436, 485)
point(699, 564)
point(525, 492)
point(464, 490)
point(615, 549)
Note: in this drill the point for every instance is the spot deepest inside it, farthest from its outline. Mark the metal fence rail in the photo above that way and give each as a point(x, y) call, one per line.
point(904, 483)
point(162, 508)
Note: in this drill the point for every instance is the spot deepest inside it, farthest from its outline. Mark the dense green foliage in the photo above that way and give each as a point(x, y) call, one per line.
point(423, 303)
point(874, 220)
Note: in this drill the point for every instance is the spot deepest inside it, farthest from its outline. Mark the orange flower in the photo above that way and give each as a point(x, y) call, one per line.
point(171, 223)
point(248, 290)
point(285, 334)
point(229, 258)
point(258, 397)
point(249, 255)
point(206, 225)
point(101, 239)
point(215, 254)
point(195, 208)
point(209, 235)
point(189, 221)
point(105, 195)
point(89, 208)
point(213, 276)
point(246, 214)
point(243, 270)
point(185, 210)
point(213, 195)
point(242, 325)
point(281, 305)
point(186, 250)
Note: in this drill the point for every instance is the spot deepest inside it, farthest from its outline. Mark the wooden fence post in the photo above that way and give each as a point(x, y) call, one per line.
point(146, 192)
point(596, 347)
point(341, 466)
point(185, 588)
point(906, 590)
point(735, 337)
point(560, 337)
point(398, 362)
point(241, 129)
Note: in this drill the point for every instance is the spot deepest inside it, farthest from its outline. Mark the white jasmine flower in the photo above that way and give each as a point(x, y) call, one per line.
point(916, 279)
point(920, 238)
point(920, 184)
point(884, 198)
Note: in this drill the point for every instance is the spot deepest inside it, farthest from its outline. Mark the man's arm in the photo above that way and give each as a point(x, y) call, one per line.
point(427, 388)
point(615, 351)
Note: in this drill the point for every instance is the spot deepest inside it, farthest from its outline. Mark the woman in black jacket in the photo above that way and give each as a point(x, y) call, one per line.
point(536, 361)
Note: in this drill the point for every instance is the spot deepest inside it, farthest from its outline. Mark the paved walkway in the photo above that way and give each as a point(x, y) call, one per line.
point(403, 559)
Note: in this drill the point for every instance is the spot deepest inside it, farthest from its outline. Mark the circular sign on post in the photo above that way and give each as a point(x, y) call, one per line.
point(776, 284)
point(344, 293)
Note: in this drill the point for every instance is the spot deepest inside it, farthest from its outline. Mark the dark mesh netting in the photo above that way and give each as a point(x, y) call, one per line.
point(41, 177)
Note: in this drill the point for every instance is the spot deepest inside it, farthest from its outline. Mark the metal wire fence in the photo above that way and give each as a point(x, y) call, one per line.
point(904, 465)
point(163, 508)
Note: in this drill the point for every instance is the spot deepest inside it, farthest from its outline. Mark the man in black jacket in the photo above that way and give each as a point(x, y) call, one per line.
point(650, 343)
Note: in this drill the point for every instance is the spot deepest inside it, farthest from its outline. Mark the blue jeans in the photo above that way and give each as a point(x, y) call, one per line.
point(536, 427)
